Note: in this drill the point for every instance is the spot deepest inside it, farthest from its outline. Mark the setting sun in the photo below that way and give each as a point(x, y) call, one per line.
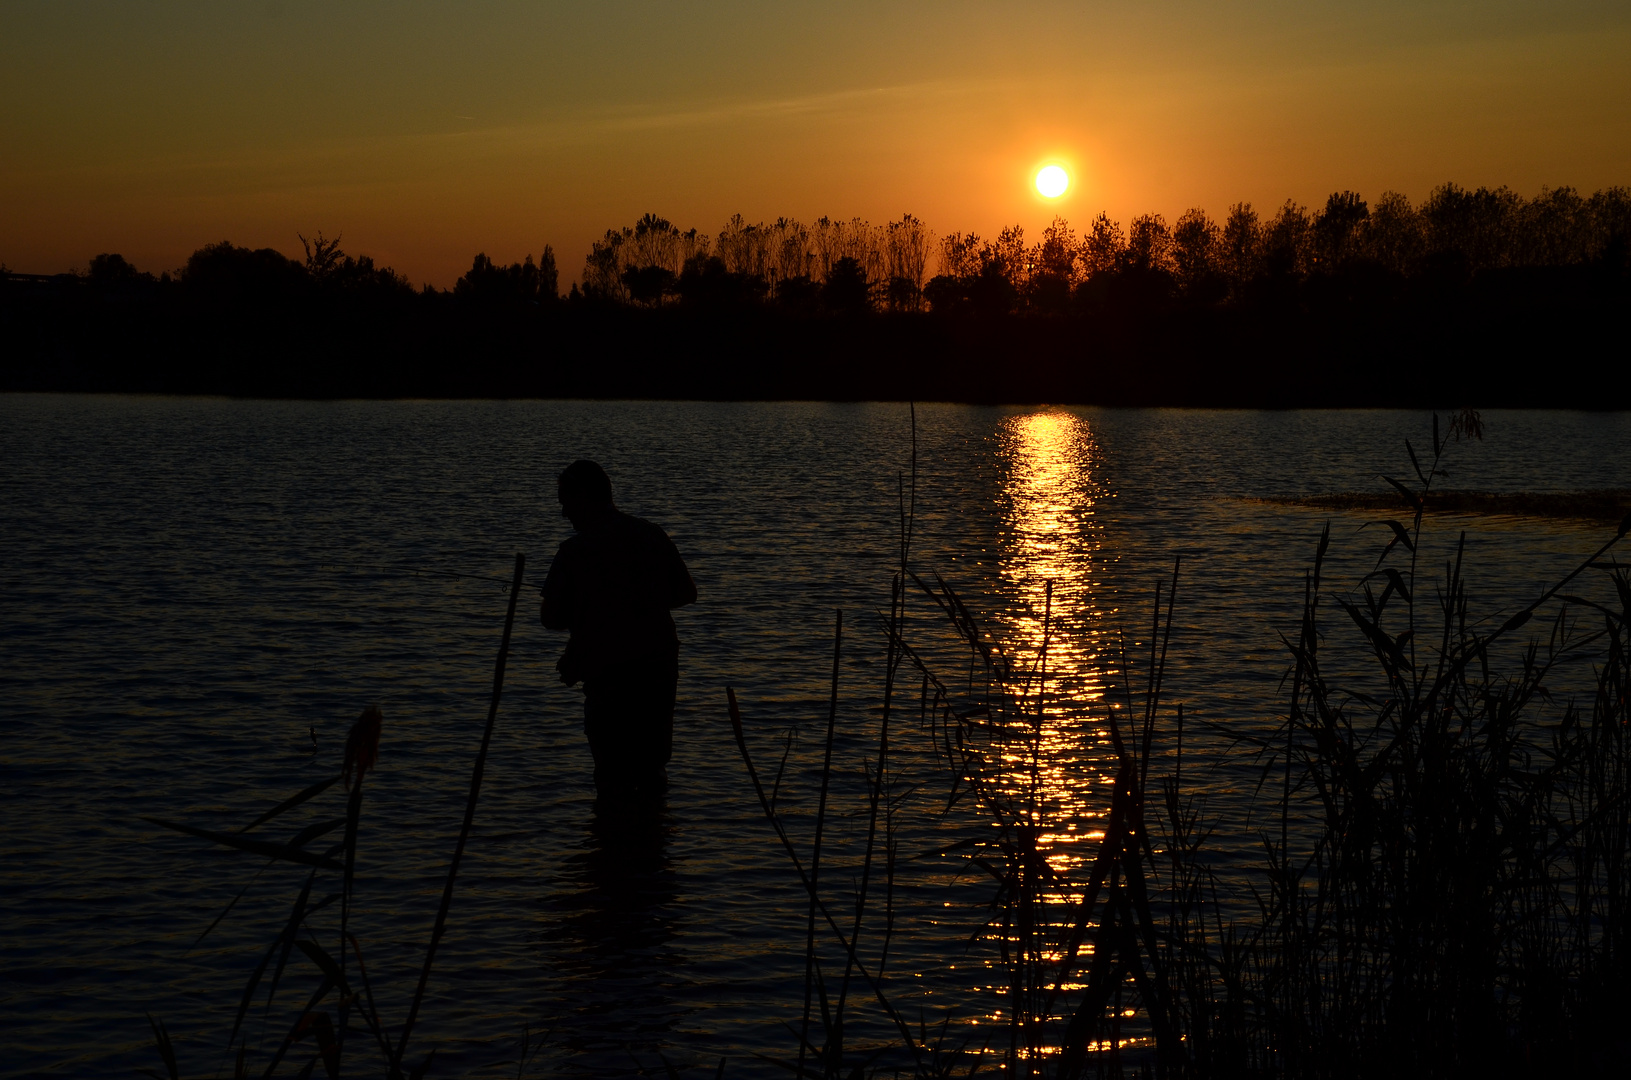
point(1052, 181)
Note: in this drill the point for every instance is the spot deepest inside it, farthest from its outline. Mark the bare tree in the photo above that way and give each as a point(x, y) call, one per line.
point(906, 252)
point(323, 256)
point(656, 242)
point(826, 246)
point(651, 243)
point(746, 249)
point(790, 252)
point(960, 255)
point(862, 242)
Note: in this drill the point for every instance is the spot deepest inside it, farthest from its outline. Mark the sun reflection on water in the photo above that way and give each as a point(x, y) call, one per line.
point(1050, 508)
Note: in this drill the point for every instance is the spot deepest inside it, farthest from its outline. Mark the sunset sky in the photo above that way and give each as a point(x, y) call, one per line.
point(427, 132)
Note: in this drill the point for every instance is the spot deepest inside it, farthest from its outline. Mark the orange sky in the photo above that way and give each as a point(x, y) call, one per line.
point(427, 132)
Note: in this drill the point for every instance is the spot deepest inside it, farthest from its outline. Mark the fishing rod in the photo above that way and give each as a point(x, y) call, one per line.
point(397, 568)
point(422, 570)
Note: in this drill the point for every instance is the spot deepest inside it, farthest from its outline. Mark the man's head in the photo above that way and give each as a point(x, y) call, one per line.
point(584, 489)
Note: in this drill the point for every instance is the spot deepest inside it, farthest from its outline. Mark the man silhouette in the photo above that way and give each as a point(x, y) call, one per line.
point(612, 585)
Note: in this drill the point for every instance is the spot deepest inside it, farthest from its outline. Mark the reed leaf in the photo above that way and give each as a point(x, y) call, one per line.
point(285, 852)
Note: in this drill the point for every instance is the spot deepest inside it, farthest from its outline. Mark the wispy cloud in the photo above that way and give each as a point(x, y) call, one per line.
point(726, 112)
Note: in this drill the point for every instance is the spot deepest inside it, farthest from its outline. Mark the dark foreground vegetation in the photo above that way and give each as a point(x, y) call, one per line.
point(1482, 297)
point(1441, 877)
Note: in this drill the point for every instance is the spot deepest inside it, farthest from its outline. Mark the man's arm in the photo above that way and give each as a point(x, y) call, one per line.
point(681, 589)
point(556, 609)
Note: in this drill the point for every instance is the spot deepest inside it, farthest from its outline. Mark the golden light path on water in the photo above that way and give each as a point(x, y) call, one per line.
point(1053, 532)
point(1056, 624)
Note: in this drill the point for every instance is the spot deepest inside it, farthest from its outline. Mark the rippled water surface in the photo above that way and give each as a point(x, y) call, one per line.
point(197, 596)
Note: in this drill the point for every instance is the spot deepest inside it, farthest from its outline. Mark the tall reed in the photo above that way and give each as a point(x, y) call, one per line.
point(326, 1025)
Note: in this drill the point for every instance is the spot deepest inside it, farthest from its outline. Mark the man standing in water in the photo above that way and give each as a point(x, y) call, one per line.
point(612, 585)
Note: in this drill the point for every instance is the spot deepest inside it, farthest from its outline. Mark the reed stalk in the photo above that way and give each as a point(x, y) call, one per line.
point(820, 824)
point(476, 772)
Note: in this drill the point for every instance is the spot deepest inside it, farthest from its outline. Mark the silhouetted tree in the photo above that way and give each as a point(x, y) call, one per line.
point(1287, 250)
point(1478, 225)
point(790, 256)
point(549, 277)
point(1054, 267)
point(333, 271)
point(1242, 243)
point(906, 256)
point(708, 284)
point(1553, 229)
point(1610, 217)
point(1395, 235)
point(113, 272)
point(1338, 231)
point(360, 275)
point(1149, 244)
point(1007, 257)
point(744, 248)
point(945, 293)
point(657, 242)
point(960, 255)
point(798, 294)
point(1103, 247)
point(832, 241)
point(846, 291)
point(992, 293)
point(1144, 279)
point(1195, 242)
point(494, 285)
point(603, 267)
point(225, 273)
point(650, 284)
point(322, 255)
point(650, 242)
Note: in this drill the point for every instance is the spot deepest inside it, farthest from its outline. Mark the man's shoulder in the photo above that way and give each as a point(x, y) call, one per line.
point(571, 554)
point(640, 527)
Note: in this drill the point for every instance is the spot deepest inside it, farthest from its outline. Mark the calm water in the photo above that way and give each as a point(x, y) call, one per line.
point(192, 588)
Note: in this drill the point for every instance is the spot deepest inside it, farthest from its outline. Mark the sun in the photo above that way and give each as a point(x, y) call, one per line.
point(1052, 181)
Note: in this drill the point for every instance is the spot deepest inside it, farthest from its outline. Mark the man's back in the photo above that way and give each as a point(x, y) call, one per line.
point(612, 585)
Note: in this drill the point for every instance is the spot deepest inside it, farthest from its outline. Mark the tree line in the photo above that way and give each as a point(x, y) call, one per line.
point(226, 273)
point(1485, 296)
point(848, 267)
point(845, 266)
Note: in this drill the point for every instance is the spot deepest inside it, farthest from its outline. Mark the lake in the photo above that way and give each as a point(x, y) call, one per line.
point(200, 595)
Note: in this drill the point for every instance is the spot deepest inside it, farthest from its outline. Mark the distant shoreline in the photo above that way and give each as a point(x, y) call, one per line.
point(1495, 340)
